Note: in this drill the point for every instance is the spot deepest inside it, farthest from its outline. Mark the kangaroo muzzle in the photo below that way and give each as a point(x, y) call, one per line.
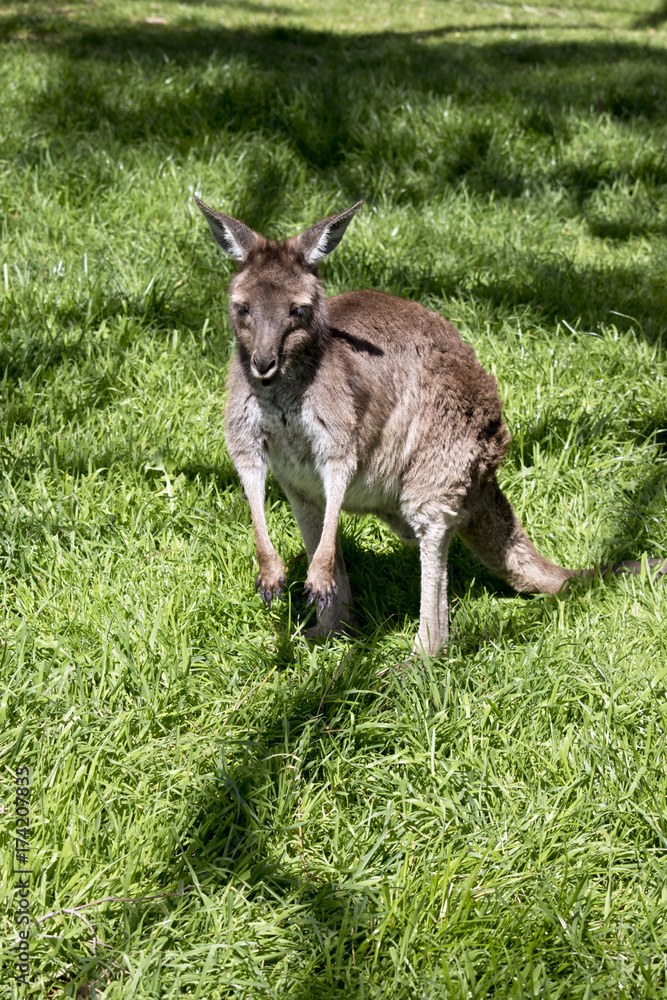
point(264, 366)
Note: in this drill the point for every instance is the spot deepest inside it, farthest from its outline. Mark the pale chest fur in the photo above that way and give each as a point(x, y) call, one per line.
point(300, 437)
point(297, 447)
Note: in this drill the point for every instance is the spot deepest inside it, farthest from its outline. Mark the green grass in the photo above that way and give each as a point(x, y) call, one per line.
point(261, 817)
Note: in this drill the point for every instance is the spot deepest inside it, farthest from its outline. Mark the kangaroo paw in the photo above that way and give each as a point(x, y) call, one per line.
point(270, 582)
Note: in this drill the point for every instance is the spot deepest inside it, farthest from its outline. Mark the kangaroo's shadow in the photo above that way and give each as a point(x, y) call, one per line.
point(386, 584)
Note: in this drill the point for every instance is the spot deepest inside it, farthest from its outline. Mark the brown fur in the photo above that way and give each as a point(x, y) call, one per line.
point(366, 403)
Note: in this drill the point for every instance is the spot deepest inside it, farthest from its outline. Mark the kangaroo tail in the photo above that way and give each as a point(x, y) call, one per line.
point(496, 536)
point(633, 566)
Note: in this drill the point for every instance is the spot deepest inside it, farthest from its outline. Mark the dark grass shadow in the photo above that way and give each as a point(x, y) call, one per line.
point(386, 587)
point(555, 287)
point(509, 27)
point(583, 179)
point(223, 477)
point(69, 337)
point(553, 430)
point(230, 840)
point(317, 95)
point(642, 500)
point(655, 432)
point(328, 72)
point(282, 10)
point(623, 229)
point(314, 105)
point(654, 19)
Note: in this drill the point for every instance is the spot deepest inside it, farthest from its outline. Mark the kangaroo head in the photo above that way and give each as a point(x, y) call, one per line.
point(276, 303)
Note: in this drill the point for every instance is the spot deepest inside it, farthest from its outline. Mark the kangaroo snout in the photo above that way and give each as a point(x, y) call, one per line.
point(264, 366)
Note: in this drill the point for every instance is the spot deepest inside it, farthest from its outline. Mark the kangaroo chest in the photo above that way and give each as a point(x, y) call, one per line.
point(295, 447)
point(299, 442)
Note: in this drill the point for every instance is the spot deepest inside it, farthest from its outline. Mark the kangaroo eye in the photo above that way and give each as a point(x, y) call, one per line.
point(241, 309)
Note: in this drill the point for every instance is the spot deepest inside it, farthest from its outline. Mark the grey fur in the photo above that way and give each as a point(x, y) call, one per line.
point(370, 404)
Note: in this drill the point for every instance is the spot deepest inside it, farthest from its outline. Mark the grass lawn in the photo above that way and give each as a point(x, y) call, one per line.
point(218, 808)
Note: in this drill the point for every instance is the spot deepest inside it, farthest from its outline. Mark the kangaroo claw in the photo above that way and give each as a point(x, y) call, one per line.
point(322, 596)
point(268, 589)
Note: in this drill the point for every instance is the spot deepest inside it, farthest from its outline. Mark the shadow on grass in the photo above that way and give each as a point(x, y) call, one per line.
point(230, 840)
point(654, 19)
point(313, 87)
point(332, 104)
point(624, 229)
point(556, 287)
point(28, 349)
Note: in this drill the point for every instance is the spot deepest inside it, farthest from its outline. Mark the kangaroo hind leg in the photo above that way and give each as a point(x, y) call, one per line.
point(434, 612)
point(496, 536)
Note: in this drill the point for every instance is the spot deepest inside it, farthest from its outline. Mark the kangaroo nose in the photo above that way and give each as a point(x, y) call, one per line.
point(264, 363)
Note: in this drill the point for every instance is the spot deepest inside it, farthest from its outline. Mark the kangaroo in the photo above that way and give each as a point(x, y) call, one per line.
point(371, 404)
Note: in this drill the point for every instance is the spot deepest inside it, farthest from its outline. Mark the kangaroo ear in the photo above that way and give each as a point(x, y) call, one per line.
point(324, 236)
point(235, 238)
